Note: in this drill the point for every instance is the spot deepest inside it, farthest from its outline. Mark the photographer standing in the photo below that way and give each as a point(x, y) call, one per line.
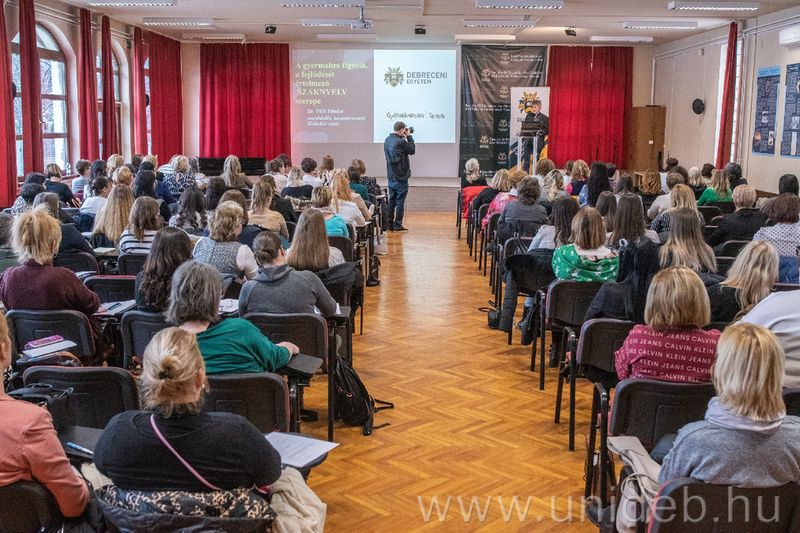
point(396, 148)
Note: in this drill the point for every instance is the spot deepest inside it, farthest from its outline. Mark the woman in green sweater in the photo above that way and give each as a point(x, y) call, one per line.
point(587, 259)
point(718, 191)
point(229, 345)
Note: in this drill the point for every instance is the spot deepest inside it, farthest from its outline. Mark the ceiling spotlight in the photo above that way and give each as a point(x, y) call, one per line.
point(324, 3)
point(707, 5)
point(520, 4)
point(499, 23)
point(619, 39)
point(270, 28)
point(570, 31)
point(131, 3)
point(214, 36)
point(659, 25)
point(177, 23)
point(346, 37)
point(484, 37)
point(420, 30)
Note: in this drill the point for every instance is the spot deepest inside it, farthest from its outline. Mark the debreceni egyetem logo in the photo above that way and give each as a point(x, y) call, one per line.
point(393, 77)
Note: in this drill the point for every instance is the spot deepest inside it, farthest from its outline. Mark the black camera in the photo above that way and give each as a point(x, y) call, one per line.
point(410, 130)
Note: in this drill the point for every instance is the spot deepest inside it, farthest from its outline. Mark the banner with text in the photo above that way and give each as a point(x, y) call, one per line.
point(488, 74)
point(790, 141)
point(530, 125)
point(768, 85)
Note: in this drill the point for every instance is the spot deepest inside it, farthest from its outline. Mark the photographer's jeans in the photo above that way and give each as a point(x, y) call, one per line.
point(397, 201)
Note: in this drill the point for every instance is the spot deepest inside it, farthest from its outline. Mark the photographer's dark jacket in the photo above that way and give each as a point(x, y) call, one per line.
point(397, 149)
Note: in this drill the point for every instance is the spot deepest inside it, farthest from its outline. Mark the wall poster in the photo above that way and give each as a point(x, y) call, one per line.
point(767, 85)
point(790, 143)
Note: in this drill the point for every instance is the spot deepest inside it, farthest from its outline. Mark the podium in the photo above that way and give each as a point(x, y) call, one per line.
point(528, 147)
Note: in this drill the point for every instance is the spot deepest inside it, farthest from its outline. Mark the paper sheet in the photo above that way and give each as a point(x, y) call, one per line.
point(298, 451)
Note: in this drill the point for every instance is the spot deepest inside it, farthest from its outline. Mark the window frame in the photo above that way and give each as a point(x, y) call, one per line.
point(117, 96)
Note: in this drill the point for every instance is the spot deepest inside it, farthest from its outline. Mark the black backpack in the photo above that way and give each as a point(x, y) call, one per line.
point(354, 405)
point(56, 401)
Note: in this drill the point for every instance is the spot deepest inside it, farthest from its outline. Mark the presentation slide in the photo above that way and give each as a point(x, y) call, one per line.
point(356, 96)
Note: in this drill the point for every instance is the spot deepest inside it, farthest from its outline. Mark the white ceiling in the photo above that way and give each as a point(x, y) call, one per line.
point(394, 20)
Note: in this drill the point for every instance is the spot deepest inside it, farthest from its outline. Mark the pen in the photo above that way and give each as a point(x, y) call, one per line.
point(112, 306)
point(81, 449)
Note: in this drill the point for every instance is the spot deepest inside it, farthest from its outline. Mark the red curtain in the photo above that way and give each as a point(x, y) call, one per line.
point(31, 90)
point(8, 155)
point(139, 97)
point(110, 138)
point(87, 90)
point(244, 100)
point(166, 100)
point(590, 95)
point(728, 94)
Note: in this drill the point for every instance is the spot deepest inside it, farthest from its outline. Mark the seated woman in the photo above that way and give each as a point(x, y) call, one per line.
point(278, 288)
point(334, 224)
point(743, 223)
point(346, 209)
point(664, 201)
point(27, 194)
point(746, 439)
point(111, 221)
point(150, 164)
point(472, 174)
point(36, 237)
point(597, 183)
point(718, 191)
point(354, 178)
point(261, 214)
point(221, 250)
point(696, 182)
point(524, 215)
point(344, 194)
point(122, 176)
point(229, 345)
point(145, 185)
point(500, 183)
point(586, 259)
point(54, 185)
point(672, 345)
point(685, 247)
point(650, 188)
point(629, 225)
point(216, 188)
point(72, 240)
point(249, 231)
point(136, 448)
point(784, 211)
point(181, 178)
point(8, 257)
point(503, 198)
point(558, 233)
point(143, 224)
point(681, 197)
point(83, 169)
point(310, 249)
point(367, 181)
point(624, 185)
point(607, 207)
point(191, 216)
point(280, 205)
point(296, 188)
point(552, 189)
point(30, 448)
point(233, 175)
point(749, 281)
point(578, 178)
point(171, 248)
point(100, 188)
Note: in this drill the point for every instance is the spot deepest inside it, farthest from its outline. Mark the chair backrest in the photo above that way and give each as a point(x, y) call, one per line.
point(716, 220)
point(532, 271)
point(724, 264)
point(98, 393)
point(290, 227)
point(345, 245)
point(131, 264)
point(709, 212)
point(708, 231)
point(726, 207)
point(791, 397)
point(77, 262)
point(262, 398)
point(600, 339)
point(308, 331)
point(567, 301)
point(137, 328)
point(26, 326)
point(695, 507)
point(112, 288)
point(783, 287)
point(732, 248)
point(650, 409)
point(27, 506)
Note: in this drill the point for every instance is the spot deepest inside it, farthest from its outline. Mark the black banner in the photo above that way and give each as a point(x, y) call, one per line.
point(488, 73)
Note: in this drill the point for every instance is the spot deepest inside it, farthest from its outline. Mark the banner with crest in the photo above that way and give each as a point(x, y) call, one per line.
point(488, 74)
point(530, 127)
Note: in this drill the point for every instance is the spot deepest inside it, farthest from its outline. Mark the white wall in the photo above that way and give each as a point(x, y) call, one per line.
point(190, 72)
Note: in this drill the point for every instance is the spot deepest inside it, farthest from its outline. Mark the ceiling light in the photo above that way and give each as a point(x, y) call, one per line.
point(619, 39)
point(520, 4)
point(131, 3)
point(499, 23)
point(346, 36)
point(177, 23)
point(705, 5)
point(326, 22)
point(483, 37)
point(214, 36)
point(323, 3)
point(660, 25)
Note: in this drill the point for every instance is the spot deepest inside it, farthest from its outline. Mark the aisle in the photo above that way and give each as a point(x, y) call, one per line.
point(470, 420)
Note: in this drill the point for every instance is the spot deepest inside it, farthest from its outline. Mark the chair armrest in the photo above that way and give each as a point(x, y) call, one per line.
point(302, 365)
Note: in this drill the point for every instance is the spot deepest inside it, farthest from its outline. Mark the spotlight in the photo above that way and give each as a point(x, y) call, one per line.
point(571, 31)
point(270, 28)
point(420, 30)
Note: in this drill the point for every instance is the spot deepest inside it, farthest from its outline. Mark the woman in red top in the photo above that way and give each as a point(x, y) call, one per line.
point(672, 346)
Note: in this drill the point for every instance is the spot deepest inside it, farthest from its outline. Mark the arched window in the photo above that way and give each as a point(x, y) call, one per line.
point(147, 102)
point(55, 105)
point(118, 106)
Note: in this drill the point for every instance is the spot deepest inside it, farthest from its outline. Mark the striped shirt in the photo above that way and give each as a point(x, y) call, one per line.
point(128, 244)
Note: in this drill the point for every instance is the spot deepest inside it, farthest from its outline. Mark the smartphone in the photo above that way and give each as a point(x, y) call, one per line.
point(38, 343)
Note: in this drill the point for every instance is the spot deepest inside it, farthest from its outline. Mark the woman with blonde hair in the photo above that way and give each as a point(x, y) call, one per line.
point(685, 245)
point(507, 195)
point(112, 219)
point(143, 224)
point(334, 224)
point(672, 344)
point(232, 173)
point(114, 162)
point(310, 249)
point(746, 439)
point(296, 187)
point(578, 178)
point(122, 176)
point(221, 250)
point(718, 191)
point(696, 182)
point(749, 281)
point(552, 189)
point(54, 185)
point(650, 187)
point(343, 195)
point(681, 197)
point(261, 214)
point(586, 258)
point(472, 174)
point(543, 167)
point(498, 184)
point(137, 449)
point(181, 178)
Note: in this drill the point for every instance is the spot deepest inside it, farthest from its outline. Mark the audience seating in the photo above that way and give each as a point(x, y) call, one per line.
point(709, 212)
point(345, 245)
point(459, 210)
point(724, 264)
point(725, 207)
point(98, 393)
point(77, 262)
point(26, 326)
point(731, 248)
point(131, 264)
point(529, 281)
point(780, 287)
point(112, 288)
point(791, 397)
point(291, 227)
point(708, 231)
point(137, 328)
point(27, 506)
point(726, 508)
point(487, 241)
point(263, 399)
point(476, 229)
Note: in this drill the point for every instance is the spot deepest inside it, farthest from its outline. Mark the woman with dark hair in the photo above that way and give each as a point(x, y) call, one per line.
point(54, 185)
point(629, 225)
point(145, 185)
point(354, 177)
point(784, 211)
point(216, 188)
point(171, 248)
point(367, 181)
point(162, 188)
point(686, 247)
point(249, 231)
point(788, 183)
point(24, 202)
point(597, 183)
point(191, 216)
point(524, 215)
point(559, 231)
point(706, 172)
point(100, 188)
point(143, 224)
point(586, 258)
point(607, 206)
point(624, 185)
point(733, 172)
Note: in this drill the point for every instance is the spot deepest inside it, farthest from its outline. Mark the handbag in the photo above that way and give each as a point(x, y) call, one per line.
point(640, 488)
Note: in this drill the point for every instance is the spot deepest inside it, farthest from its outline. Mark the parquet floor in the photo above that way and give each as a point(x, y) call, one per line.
point(469, 420)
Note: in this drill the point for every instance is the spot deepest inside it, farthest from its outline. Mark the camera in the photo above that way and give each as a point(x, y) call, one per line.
point(411, 130)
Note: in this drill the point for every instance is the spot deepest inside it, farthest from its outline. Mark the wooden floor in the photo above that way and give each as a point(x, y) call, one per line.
point(470, 424)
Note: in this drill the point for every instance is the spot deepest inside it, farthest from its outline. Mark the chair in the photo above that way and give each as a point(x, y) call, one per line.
point(345, 245)
point(27, 506)
point(565, 305)
point(459, 208)
point(731, 248)
point(709, 212)
point(131, 264)
point(77, 262)
point(262, 398)
point(708, 231)
point(698, 507)
point(781, 287)
point(138, 328)
point(530, 272)
point(98, 393)
point(593, 358)
point(476, 229)
point(791, 397)
point(487, 241)
point(724, 264)
point(725, 207)
point(291, 227)
point(112, 288)
point(26, 326)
